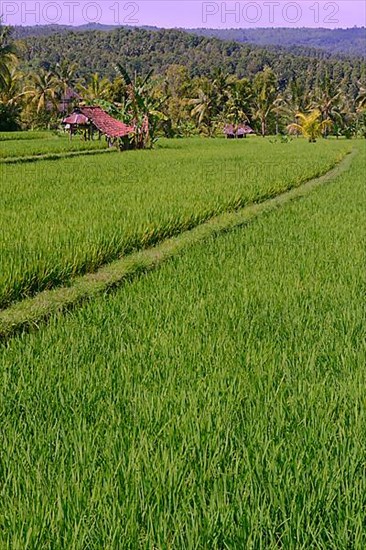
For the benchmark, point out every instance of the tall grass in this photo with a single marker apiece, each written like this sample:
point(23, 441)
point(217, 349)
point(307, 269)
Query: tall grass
point(59, 219)
point(17, 136)
point(216, 403)
point(54, 144)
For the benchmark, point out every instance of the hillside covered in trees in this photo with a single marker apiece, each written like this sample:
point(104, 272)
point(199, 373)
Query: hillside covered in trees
point(143, 50)
point(180, 83)
point(351, 41)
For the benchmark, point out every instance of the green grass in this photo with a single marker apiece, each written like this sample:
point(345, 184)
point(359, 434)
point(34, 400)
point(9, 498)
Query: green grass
point(12, 136)
point(217, 403)
point(53, 144)
point(60, 219)
point(31, 312)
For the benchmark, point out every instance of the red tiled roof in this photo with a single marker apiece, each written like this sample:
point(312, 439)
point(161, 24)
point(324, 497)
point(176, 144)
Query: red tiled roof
point(105, 123)
point(76, 118)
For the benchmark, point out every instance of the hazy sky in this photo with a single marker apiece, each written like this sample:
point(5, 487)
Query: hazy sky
point(188, 13)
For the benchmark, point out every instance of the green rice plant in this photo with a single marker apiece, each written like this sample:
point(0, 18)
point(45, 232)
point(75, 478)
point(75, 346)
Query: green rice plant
point(216, 403)
point(13, 136)
point(59, 219)
point(55, 144)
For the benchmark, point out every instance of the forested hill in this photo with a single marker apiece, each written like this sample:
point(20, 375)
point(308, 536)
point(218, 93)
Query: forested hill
point(351, 41)
point(336, 41)
point(142, 50)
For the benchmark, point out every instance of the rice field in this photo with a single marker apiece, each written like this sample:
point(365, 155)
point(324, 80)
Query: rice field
point(70, 216)
point(17, 136)
point(217, 402)
point(43, 145)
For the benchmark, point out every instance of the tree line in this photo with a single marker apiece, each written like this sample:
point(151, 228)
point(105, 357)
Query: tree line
point(320, 98)
point(351, 41)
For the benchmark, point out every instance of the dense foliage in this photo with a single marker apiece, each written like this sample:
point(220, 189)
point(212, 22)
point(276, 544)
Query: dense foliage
point(183, 83)
point(335, 41)
point(350, 41)
point(142, 50)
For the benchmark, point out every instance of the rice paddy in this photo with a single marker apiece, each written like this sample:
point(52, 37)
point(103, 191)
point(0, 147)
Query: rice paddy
point(45, 144)
point(25, 136)
point(217, 402)
point(62, 218)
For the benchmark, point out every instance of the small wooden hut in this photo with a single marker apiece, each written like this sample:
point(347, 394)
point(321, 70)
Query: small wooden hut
point(243, 131)
point(229, 131)
point(240, 131)
point(93, 120)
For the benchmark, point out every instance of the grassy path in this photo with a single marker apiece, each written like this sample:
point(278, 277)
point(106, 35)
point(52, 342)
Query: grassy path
point(29, 313)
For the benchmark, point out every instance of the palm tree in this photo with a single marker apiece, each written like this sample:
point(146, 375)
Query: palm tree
point(327, 101)
point(360, 108)
point(66, 78)
point(310, 125)
point(66, 75)
point(265, 95)
point(361, 98)
point(204, 108)
point(7, 55)
point(210, 102)
point(95, 88)
point(141, 107)
point(43, 91)
point(10, 92)
point(10, 106)
point(176, 86)
point(279, 110)
point(238, 104)
point(220, 86)
point(296, 99)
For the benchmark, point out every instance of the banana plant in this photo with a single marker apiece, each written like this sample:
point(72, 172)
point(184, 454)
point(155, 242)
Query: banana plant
point(141, 107)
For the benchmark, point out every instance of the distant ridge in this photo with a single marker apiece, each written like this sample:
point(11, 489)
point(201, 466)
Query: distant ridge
point(141, 51)
point(336, 41)
point(351, 42)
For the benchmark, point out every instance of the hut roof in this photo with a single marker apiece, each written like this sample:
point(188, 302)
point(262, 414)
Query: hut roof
point(105, 123)
point(239, 130)
point(76, 118)
point(245, 129)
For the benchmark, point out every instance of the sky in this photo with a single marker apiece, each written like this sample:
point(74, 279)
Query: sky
point(188, 13)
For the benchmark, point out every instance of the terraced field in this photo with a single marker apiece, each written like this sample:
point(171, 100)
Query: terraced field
point(215, 403)
point(66, 217)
